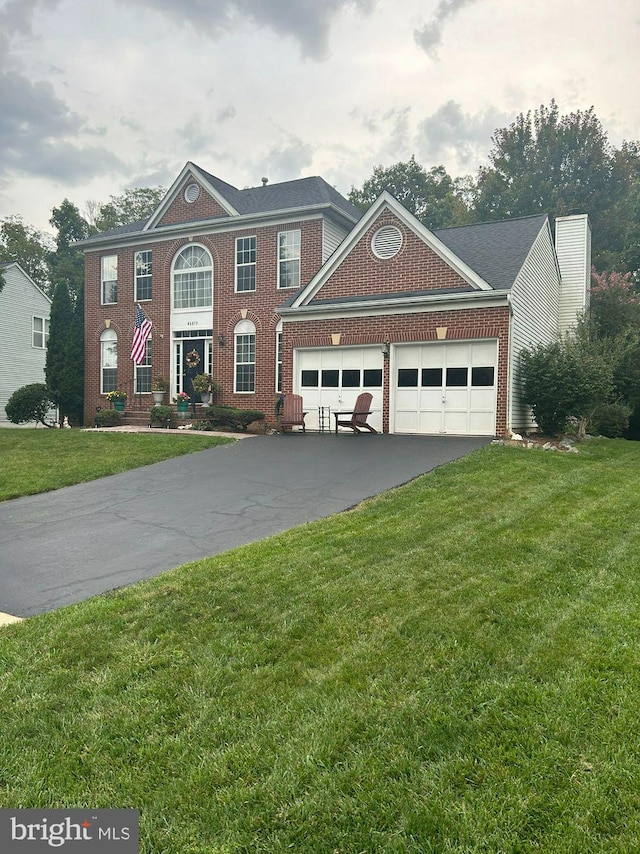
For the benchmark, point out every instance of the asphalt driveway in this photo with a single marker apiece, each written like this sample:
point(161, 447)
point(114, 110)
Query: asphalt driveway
point(65, 546)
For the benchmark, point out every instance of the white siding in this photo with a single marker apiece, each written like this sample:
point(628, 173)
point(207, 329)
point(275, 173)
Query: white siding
point(535, 299)
point(573, 248)
point(20, 362)
point(332, 237)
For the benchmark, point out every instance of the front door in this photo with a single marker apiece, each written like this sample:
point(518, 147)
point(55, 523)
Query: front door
point(192, 362)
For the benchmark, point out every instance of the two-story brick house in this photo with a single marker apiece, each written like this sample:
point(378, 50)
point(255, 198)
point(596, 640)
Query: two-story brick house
point(286, 287)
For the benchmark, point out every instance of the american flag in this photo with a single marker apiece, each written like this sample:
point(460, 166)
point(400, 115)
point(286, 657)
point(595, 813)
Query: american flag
point(140, 335)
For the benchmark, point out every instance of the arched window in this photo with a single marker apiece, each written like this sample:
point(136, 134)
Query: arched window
point(192, 278)
point(244, 340)
point(108, 361)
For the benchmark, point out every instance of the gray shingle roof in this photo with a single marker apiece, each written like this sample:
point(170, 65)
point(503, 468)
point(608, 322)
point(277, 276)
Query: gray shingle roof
point(495, 250)
point(304, 192)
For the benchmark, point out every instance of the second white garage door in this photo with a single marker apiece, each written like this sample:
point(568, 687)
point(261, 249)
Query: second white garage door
point(445, 388)
point(332, 378)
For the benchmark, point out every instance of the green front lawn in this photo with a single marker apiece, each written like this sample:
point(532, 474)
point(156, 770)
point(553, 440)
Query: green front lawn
point(451, 667)
point(33, 460)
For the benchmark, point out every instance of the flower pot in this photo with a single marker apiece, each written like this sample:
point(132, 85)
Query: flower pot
point(206, 397)
point(119, 405)
point(183, 406)
point(158, 397)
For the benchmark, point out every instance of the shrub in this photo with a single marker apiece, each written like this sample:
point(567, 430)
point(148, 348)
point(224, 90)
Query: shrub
point(29, 403)
point(567, 379)
point(107, 418)
point(229, 418)
point(163, 415)
point(610, 420)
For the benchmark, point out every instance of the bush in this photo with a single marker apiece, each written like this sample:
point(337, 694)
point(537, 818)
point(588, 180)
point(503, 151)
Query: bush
point(107, 418)
point(610, 420)
point(29, 403)
point(567, 379)
point(229, 418)
point(162, 415)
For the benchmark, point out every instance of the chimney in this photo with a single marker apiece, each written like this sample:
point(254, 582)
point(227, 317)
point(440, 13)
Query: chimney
point(573, 250)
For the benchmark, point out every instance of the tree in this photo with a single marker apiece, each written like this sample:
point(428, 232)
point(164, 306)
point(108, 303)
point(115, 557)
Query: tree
point(431, 196)
point(614, 304)
point(29, 247)
point(545, 162)
point(29, 403)
point(72, 378)
point(134, 204)
point(59, 332)
point(569, 378)
point(66, 264)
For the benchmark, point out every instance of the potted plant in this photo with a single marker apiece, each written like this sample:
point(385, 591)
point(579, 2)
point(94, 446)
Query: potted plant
point(159, 387)
point(182, 401)
point(118, 398)
point(206, 387)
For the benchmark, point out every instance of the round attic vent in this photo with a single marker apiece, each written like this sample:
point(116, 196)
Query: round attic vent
point(386, 242)
point(192, 193)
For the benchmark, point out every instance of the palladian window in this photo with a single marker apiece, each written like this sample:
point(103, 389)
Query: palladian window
point(192, 278)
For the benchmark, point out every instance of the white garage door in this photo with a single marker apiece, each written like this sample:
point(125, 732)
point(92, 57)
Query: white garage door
point(445, 388)
point(333, 378)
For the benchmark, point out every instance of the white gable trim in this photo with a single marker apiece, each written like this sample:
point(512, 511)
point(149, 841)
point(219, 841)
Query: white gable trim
point(386, 201)
point(189, 170)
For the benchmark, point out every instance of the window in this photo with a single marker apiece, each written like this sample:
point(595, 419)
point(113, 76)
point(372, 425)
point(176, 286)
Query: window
point(143, 276)
point(245, 264)
point(432, 377)
point(245, 356)
point(143, 372)
point(109, 279)
point(108, 361)
point(279, 357)
point(407, 378)
point(456, 377)
point(309, 379)
point(192, 278)
point(482, 376)
point(289, 259)
point(40, 332)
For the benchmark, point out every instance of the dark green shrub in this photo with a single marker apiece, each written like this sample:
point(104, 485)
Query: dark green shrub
point(610, 420)
point(30, 403)
point(107, 418)
point(163, 416)
point(230, 418)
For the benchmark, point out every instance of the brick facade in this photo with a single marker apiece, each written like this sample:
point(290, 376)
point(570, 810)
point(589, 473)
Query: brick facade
point(329, 316)
point(229, 307)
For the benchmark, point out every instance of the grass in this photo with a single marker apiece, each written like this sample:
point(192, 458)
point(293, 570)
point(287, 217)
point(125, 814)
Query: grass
point(41, 460)
point(451, 667)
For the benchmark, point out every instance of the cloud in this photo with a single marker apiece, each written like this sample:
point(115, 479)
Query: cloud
point(307, 21)
point(226, 113)
point(451, 134)
point(430, 36)
point(284, 163)
point(35, 127)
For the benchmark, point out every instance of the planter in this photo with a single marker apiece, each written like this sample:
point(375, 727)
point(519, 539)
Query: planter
point(206, 397)
point(119, 405)
point(183, 407)
point(158, 397)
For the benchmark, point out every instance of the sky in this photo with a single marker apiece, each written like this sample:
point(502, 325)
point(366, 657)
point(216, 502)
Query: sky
point(97, 96)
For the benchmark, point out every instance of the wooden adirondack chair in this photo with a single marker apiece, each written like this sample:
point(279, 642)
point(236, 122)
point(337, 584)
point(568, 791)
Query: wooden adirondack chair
point(359, 414)
point(291, 413)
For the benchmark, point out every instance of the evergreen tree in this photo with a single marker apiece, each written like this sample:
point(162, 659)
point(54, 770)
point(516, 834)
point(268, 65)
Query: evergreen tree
point(72, 380)
point(59, 332)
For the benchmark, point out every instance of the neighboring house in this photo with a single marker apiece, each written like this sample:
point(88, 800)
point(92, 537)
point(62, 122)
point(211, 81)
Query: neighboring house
point(287, 287)
point(24, 332)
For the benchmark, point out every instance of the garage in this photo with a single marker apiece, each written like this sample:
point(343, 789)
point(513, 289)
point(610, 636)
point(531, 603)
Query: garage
point(332, 378)
point(444, 388)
